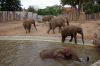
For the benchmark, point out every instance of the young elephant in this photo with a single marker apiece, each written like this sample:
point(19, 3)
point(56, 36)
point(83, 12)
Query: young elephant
point(71, 31)
point(27, 25)
point(58, 21)
point(59, 53)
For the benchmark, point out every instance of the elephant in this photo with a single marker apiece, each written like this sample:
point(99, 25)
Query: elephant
point(58, 21)
point(47, 18)
point(71, 31)
point(59, 53)
point(27, 25)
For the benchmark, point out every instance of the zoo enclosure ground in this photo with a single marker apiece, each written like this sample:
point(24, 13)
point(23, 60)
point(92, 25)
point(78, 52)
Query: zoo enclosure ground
point(16, 29)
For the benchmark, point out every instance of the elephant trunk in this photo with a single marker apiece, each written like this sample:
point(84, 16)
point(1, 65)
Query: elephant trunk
point(82, 37)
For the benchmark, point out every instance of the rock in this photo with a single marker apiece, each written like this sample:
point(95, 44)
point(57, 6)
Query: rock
point(96, 64)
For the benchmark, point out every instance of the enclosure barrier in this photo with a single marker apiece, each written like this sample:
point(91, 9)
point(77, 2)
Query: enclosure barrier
point(8, 16)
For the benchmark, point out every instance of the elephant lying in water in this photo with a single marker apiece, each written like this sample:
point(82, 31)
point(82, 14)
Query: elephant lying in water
point(27, 25)
point(72, 31)
point(59, 53)
point(58, 21)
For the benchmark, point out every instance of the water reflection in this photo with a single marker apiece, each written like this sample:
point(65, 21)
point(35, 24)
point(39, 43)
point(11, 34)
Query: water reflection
point(26, 53)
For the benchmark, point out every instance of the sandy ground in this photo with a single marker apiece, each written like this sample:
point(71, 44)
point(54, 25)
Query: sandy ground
point(16, 29)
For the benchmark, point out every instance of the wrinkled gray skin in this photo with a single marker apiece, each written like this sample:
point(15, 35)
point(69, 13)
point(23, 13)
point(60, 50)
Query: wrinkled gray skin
point(59, 53)
point(58, 21)
point(72, 31)
point(27, 25)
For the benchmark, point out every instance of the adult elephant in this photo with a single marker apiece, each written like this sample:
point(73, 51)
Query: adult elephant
point(27, 25)
point(72, 31)
point(58, 21)
point(59, 53)
point(47, 18)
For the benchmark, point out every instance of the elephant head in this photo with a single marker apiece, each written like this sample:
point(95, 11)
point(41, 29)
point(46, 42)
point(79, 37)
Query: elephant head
point(80, 31)
point(33, 22)
point(75, 57)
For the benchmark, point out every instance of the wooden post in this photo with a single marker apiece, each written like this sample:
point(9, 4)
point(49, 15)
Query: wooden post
point(82, 17)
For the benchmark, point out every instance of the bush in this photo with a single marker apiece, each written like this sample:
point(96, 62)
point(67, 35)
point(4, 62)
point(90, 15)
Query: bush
point(90, 8)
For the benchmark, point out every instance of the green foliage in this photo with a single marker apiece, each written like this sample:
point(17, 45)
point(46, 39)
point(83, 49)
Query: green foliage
point(10, 5)
point(96, 8)
point(70, 2)
point(53, 10)
point(98, 1)
point(74, 3)
point(31, 9)
point(90, 8)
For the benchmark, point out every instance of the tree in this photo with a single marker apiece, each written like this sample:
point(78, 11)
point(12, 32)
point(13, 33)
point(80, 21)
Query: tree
point(75, 3)
point(90, 8)
point(31, 9)
point(10, 5)
point(52, 10)
point(98, 1)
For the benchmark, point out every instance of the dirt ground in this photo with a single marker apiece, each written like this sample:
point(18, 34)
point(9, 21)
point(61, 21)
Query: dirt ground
point(16, 29)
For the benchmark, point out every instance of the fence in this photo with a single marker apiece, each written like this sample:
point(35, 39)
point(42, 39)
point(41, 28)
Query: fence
point(16, 16)
point(21, 15)
point(76, 16)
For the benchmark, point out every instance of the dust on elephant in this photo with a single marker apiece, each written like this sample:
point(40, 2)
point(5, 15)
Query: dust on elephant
point(59, 53)
point(72, 31)
point(58, 21)
point(27, 25)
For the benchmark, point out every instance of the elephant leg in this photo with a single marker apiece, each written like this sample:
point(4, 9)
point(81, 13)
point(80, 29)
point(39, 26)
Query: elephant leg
point(35, 26)
point(48, 30)
point(75, 38)
point(59, 29)
point(25, 27)
point(29, 28)
point(63, 39)
point(71, 38)
point(53, 29)
point(26, 30)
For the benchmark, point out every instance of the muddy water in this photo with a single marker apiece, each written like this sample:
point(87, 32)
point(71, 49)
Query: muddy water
point(26, 53)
